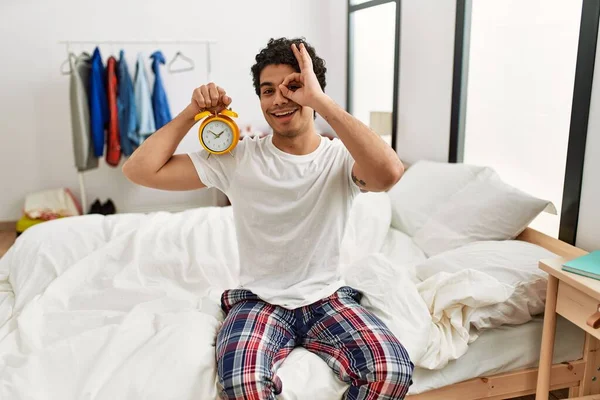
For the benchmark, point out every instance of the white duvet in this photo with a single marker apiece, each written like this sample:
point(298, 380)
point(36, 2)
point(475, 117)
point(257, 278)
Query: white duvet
point(127, 306)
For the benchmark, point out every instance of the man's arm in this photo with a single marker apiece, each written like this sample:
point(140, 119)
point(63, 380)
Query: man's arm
point(154, 164)
point(376, 165)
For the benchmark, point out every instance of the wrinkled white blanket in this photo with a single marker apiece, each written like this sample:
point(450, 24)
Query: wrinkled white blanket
point(127, 306)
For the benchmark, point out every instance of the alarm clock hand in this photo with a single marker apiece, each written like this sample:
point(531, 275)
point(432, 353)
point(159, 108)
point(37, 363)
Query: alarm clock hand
point(215, 135)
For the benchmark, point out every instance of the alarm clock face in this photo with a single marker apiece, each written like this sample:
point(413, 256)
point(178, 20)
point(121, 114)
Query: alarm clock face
point(217, 136)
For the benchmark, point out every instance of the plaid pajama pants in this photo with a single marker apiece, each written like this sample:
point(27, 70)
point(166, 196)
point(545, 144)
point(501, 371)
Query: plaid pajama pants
point(256, 337)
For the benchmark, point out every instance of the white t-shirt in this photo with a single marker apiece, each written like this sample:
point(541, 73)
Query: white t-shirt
point(290, 213)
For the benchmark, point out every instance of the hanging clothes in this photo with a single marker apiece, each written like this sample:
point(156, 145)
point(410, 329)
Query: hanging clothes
point(160, 103)
point(126, 106)
point(98, 103)
point(143, 102)
point(79, 91)
point(113, 140)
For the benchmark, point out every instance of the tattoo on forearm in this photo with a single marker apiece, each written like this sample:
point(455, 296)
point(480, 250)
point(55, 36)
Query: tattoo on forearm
point(358, 181)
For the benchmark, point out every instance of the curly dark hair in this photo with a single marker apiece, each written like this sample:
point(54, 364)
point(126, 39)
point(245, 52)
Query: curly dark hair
point(279, 51)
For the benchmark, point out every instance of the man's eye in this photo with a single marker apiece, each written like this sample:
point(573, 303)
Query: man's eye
point(268, 91)
point(293, 88)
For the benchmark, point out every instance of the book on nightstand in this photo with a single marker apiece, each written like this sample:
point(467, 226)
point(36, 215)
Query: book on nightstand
point(588, 265)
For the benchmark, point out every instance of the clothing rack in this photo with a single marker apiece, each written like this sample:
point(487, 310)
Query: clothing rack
point(69, 43)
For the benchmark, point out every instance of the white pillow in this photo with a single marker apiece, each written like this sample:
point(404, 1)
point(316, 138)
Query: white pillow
point(512, 262)
point(426, 186)
point(485, 209)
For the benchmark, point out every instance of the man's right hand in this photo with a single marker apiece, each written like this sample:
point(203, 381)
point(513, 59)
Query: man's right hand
point(154, 164)
point(210, 98)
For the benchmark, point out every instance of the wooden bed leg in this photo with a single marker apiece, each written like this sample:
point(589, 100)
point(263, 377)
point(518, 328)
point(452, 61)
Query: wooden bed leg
point(590, 383)
point(548, 333)
point(573, 392)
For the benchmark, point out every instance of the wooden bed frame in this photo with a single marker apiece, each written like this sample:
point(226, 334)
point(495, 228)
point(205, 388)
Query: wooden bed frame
point(571, 375)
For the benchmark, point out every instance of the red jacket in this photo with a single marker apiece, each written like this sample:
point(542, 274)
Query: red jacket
point(113, 139)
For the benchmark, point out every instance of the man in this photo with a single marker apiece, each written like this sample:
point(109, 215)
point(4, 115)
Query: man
point(291, 193)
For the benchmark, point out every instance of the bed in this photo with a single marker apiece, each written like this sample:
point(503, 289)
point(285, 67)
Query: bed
point(127, 305)
point(515, 350)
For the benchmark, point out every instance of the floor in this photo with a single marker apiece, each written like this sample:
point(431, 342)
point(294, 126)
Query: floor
point(8, 238)
point(556, 395)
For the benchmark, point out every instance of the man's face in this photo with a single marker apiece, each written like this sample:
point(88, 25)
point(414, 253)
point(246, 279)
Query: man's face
point(283, 115)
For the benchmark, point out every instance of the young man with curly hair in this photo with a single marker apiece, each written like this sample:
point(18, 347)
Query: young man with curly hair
point(291, 194)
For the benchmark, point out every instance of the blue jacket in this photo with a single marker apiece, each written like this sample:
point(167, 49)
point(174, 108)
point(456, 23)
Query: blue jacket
point(126, 106)
point(160, 104)
point(98, 103)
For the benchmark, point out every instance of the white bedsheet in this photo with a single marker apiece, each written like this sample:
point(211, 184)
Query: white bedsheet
point(127, 305)
point(504, 349)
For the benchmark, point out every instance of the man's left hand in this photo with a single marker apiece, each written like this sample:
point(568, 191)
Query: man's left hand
point(302, 87)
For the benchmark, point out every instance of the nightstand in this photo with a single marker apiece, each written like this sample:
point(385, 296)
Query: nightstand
point(577, 299)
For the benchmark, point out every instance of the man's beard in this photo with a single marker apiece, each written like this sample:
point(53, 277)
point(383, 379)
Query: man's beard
point(287, 134)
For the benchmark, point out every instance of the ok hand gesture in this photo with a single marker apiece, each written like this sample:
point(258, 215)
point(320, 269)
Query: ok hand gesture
point(302, 87)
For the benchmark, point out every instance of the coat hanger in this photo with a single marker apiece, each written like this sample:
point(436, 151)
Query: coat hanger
point(66, 63)
point(64, 71)
point(71, 60)
point(179, 54)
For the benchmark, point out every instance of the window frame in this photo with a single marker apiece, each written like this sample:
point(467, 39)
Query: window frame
point(349, 69)
point(580, 109)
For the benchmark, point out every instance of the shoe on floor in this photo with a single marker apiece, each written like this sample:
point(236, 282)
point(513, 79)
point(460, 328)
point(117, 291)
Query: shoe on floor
point(108, 208)
point(96, 207)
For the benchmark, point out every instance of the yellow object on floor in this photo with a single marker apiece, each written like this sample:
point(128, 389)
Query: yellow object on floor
point(25, 222)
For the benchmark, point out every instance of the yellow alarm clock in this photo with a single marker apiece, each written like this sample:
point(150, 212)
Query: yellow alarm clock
point(218, 133)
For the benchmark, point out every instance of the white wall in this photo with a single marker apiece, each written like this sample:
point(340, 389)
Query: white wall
point(588, 228)
point(35, 133)
point(426, 61)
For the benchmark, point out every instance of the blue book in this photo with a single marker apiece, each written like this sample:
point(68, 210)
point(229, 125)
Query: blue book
point(588, 265)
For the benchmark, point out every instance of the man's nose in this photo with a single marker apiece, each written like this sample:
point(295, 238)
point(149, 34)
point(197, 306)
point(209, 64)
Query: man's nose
point(279, 98)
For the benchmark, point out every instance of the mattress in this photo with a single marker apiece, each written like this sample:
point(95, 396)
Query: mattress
point(504, 349)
